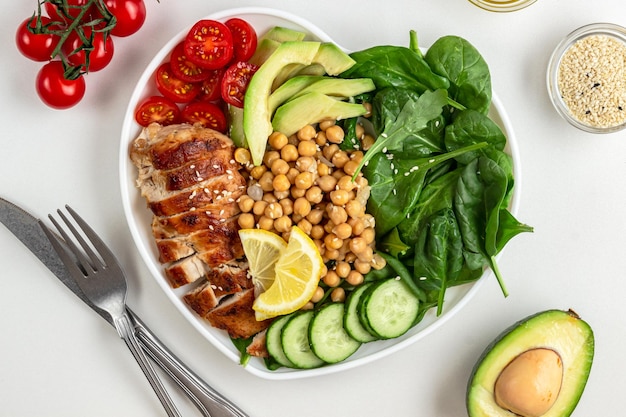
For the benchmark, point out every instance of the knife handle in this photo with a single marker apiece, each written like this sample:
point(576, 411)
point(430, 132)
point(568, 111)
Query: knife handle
point(206, 399)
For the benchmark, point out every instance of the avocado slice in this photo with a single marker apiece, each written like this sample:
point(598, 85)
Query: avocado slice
point(554, 348)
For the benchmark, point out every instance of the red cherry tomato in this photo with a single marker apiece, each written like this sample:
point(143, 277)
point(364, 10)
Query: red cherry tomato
point(209, 44)
point(55, 90)
point(235, 82)
point(210, 89)
point(99, 57)
point(157, 109)
point(38, 47)
point(208, 114)
point(184, 69)
point(130, 15)
point(173, 88)
point(244, 38)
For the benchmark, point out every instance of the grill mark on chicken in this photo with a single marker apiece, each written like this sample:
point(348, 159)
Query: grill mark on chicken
point(191, 183)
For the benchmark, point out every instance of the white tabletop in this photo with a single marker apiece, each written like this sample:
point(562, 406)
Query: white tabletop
point(58, 358)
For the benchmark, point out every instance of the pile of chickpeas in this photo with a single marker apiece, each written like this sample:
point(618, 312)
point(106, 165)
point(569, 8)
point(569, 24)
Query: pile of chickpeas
point(306, 180)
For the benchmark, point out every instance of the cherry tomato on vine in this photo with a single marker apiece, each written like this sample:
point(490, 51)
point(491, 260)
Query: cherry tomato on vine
point(99, 57)
point(157, 109)
point(235, 82)
point(184, 69)
point(209, 44)
point(38, 47)
point(173, 88)
point(55, 90)
point(244, 38)
point(130, 15)
point(208, 114)
point(73, 10)
point(210, 89)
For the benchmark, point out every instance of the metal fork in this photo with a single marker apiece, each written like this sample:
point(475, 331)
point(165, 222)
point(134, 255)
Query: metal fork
point(99, 275)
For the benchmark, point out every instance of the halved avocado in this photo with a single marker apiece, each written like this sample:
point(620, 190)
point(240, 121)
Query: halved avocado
point(537, 367)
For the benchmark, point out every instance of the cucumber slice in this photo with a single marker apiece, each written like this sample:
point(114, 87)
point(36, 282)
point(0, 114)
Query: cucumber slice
point(295, 341)
point(351, 321)
point(273, 341)
point(389, 308)
point(329, 340)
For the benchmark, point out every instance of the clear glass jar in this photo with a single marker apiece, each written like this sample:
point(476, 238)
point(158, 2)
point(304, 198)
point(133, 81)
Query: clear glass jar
point(583, 85)
point(502, 5)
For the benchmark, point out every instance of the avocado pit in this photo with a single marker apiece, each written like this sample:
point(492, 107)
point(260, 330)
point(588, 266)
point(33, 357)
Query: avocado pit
point(530, 384)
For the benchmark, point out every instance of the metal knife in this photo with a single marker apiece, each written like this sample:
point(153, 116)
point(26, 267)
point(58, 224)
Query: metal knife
point(27, 229)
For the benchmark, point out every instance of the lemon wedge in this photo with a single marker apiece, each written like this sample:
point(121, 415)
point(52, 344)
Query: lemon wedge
point(263, 249)
point(297, 274)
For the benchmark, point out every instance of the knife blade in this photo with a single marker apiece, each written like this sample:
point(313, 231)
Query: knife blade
point(27, 229)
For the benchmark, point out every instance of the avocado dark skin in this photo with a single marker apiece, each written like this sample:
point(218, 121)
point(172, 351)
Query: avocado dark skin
point(552, 349)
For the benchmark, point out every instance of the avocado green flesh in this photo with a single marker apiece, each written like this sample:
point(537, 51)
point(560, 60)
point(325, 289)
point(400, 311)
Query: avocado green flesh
point(561, 331)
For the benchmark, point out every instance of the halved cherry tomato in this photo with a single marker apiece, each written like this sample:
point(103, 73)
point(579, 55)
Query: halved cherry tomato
point(209, 44)
point(244, 38)
point(99, 57)
point(173, 88)
point(208, 114)
point(56, 91)
point(157, 109)
point(235, 82)
point(35, 46)
point(210, 89)
point(184, 69)
point(130, 15)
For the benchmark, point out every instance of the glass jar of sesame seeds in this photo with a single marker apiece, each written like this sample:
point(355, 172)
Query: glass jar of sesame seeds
point(502, 5)
point(586, 78)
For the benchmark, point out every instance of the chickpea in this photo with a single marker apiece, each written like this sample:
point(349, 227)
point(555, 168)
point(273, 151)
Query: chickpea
point(306, 163)
point(266, 181)
point(315, 216)
point(273, 211)
point(358, 245)
point(368, 109)
point(343, 230)
point(259, 207)
point(242, 155)
point(357, 225)
point(281, 195)
point(266, 223)
point(277, 140)
point(323, 169)
point(338, 197)
point(340, 158)
point(357, 156)
point(270, 157)
point(378, 262)
point(332, 254)
point(338, 295)
point(320, 246)
point(292, 174)
point(332, 241)
point(317, 231)
point(307, 148)
point(314, 195)
point(297, 192)
point(279, 166)
point(289, 153)
point(306, 133)
point(367, 142)
point(362, 267)
point(287, 206)
point(334, 134)
point(355, 209)
point(302, 206)
point(281, 183)
point(317, 295)
point(282, 224)
point(346, 183)
point(327, 183)
point(343, 269)
point(308, 306)
point(304, 180)
point(245, 203)
point(354, 278)
point(366, 255)
point(256, 172)
point(320, 138)
point(359, 131)
point(325, 124)
point(305, 226)
point(350, 167)
point(329, 150)
point(368, 234)
point(336, 214)
point(246, 220)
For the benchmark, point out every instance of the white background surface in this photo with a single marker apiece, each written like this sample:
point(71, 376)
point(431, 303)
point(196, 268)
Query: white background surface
point(58, 358)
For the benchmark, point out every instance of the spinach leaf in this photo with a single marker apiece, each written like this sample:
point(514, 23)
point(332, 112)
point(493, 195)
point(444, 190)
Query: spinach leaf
point(413, 117)
point(395, 66)
point(460, 62)
point(470, 126)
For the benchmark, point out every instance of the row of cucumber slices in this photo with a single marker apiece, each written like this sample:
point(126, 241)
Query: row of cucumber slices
point(382, 309)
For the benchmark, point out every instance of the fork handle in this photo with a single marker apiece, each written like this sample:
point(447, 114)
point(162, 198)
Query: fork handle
point(126, 331)
point(210, 402)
